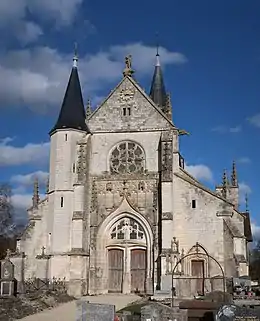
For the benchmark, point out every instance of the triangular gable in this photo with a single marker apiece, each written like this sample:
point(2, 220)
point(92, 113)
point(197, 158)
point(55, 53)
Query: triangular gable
point(113, 114)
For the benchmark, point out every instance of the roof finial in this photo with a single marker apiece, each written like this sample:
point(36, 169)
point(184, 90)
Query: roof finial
point(88, 108)
point(234, 175)
point(128, 71)
point(75, 58)
point(157, 50)
point(224, 184)
point(36, 197)
point(246, 203)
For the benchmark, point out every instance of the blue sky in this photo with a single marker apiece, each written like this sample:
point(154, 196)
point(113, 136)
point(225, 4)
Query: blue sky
point(210, 51)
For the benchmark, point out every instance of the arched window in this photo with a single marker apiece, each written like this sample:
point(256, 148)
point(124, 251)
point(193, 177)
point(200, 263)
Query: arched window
point(127, 229)
point(127, 157)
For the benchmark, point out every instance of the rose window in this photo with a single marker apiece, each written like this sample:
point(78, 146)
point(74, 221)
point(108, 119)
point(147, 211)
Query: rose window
point(127, 157)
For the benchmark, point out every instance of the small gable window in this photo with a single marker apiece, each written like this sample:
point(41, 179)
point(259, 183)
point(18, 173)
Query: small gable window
point(66, 137)
point(126, 111)
point(193, 203)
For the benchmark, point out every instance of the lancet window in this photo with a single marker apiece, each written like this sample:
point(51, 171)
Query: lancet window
point(127, 229)
point(127, 157)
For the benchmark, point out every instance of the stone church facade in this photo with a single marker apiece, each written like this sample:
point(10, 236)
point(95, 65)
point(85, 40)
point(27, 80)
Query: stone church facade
point(121, 210)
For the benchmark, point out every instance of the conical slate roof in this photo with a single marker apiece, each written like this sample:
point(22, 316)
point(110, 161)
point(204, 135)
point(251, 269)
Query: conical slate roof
point(72, 114)
point(158, 92)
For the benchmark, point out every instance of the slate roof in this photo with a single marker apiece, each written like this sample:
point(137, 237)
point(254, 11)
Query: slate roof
point(247, 227)
point(158, 92)
point(72, 114)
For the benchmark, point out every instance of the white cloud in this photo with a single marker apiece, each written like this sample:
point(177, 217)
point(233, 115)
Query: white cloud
point(235, 129)
point(255, 230)
point(225, 129)
point(28, 32)
point(28, 154)
point(22, 201)
point(61, 12)
point(200, 172)
point(28, 179)
point(39, 77)
point(255, 120)
point(244, 160)
point(244, 189)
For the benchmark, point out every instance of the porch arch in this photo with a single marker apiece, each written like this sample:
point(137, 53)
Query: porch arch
point(104, 243)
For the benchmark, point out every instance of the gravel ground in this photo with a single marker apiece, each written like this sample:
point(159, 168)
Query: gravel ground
point(22, 306)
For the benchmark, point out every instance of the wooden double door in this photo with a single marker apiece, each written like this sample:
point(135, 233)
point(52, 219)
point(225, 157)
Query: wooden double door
point(118, 263)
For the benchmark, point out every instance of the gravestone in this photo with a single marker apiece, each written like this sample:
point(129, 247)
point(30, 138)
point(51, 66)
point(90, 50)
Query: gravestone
point(7, 282)
point(94, 312)
point(232, 312)
point(7, 269)
point(155, 311)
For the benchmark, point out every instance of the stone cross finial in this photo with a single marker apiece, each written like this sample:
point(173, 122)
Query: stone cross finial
point(128, 71)
point(43, 251)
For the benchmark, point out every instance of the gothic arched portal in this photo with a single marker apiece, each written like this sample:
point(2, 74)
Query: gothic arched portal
point(126, 243)
point(127, 255)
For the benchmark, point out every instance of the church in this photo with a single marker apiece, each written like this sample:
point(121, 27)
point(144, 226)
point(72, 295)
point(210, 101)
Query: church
point(121, 213)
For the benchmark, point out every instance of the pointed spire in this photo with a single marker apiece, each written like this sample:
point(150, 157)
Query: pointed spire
point(224, 184)
point(88, 108)
point(36, 197)
point(246, 203)
point(234, 181)
point(72, 113)
point(157, 91)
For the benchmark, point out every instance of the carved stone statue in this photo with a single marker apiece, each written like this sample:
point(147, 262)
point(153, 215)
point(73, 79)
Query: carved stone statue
point(127, 229)
point(128, 62)
point(128, 71)
point(174, 245)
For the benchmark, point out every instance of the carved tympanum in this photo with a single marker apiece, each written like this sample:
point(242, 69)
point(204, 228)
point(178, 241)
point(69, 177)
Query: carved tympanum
point(127, 229)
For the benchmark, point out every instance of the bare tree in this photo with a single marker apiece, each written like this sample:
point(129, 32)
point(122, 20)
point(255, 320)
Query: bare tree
point(7, 226)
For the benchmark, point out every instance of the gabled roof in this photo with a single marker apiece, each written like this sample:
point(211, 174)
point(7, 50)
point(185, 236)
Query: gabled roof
point(140, 90)
point(72, 113)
